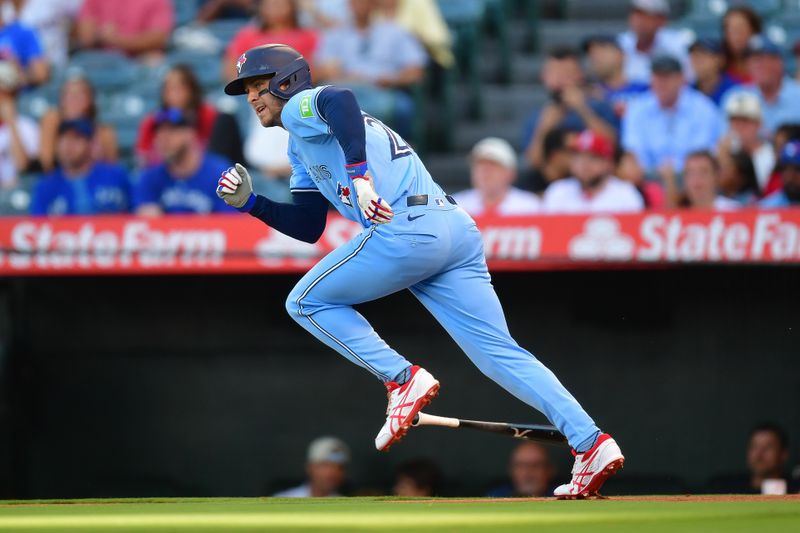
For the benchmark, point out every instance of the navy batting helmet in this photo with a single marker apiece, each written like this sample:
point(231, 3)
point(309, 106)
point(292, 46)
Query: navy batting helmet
point(283, 63)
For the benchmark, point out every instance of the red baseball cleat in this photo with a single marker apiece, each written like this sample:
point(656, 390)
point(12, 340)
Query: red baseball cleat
point(405, 401)
point(591, 469)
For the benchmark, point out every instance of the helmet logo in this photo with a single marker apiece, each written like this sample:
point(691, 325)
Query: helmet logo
point(240, 63)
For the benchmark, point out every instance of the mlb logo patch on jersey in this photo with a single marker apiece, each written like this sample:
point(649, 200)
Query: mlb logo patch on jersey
point(344, 194)
point(439, 202)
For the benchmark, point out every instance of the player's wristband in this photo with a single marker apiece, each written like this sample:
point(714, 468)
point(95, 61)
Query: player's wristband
point(248, 205)
point(356, 170)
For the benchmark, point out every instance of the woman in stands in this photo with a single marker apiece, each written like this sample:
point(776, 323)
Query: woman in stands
point(218, 132)
point(277, 21)
point(76, 101)
point(739, 24)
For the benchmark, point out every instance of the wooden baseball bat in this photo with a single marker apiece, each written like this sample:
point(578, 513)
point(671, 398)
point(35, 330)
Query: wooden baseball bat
point(535, 432)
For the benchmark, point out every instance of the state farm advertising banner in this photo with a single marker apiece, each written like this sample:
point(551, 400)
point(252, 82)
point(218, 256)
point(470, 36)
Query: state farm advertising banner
point(240, 244)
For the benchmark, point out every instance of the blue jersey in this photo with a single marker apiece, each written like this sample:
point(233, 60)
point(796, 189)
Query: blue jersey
point(193, 194)
point(318, 161)
point(104, 190)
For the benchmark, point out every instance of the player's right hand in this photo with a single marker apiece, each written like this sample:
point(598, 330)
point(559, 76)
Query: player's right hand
point(235, 187)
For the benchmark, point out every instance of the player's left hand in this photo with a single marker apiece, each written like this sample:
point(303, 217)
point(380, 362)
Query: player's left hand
point(235, 187)
point(374, 208)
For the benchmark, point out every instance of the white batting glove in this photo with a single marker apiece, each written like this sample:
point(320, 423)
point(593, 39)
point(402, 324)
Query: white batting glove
point(374, 208)
point(235, 187)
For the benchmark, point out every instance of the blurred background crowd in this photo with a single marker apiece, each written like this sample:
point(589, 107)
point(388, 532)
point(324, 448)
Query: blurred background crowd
point(532, 473)
point(109, 107)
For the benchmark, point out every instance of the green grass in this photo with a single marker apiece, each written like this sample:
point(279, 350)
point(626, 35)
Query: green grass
point(387, 514)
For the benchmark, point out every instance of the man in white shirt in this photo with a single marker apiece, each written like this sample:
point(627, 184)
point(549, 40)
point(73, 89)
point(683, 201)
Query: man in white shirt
point(493, 171)
point(593, 187)
point(648, 38)
point(326, 468)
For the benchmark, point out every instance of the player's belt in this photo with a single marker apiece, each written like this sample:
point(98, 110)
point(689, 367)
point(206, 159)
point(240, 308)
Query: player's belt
point(422, 199)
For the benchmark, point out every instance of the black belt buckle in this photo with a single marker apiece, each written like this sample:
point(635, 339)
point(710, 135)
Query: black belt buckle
point(422, 199)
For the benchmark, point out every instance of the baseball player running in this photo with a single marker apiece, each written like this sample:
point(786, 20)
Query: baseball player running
point(415, 237)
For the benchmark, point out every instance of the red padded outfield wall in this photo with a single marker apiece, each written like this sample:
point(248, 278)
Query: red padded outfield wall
point(239, 244)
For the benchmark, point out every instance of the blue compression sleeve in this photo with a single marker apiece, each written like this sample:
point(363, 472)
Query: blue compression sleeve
point(340, 110)
point(303, 220)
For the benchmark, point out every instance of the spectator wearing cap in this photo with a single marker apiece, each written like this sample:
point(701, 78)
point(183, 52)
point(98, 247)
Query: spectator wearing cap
point(378, 59)
point(743, 110)
point(141, 28)
point(218, 132)
point(326, 470)
point(493, 171)
point(19, 135)
point(76, 100)
point(648, 38)
point(701, 178)
point(593, 188)
point(739, 24)
point(789, 165)
point(707, 62)
point(669, 122)
point(80, 185)
point(606, 71)
point(778, 93)
point(186, 180)
point(571, 106)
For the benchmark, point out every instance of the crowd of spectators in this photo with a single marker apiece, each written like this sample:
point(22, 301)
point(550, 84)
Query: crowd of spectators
point(531, 471)
point(75, 158)
point(643, 119)
point(648, 119)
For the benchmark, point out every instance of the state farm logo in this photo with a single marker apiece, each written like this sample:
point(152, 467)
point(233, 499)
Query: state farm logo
point(136, 243)
point(515, 243)
point(767, 237)
point(601, 240)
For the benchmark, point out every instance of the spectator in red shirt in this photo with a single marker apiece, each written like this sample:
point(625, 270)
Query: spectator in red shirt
point(181, 90)
point(277, 22)
point(739, 24)
point(138, 28)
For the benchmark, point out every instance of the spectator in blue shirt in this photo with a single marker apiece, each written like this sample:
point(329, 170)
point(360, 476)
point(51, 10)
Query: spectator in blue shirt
point(789, 163)
point(708, 63)
point(571, 105)
point(378, 60)
point(187, 179)
point(606, 62)
point(779, 94)
point(80, 185)
point(22, 44)
point(662, 127)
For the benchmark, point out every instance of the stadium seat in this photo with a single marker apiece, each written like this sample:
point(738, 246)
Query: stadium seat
point(224, 30)
point(185, 11)
point(17, 201)
point(34, 104)
point(206, 67)
point(717, 8)
point(106, 70)
point(464, 18)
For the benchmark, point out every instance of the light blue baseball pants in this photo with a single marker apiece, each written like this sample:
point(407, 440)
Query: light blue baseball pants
point(436, 252)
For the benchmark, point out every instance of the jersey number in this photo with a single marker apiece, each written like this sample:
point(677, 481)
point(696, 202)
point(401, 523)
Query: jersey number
point(397, 146)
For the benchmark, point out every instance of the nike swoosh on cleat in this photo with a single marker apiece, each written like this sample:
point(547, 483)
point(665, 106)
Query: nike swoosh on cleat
point(410, 218)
